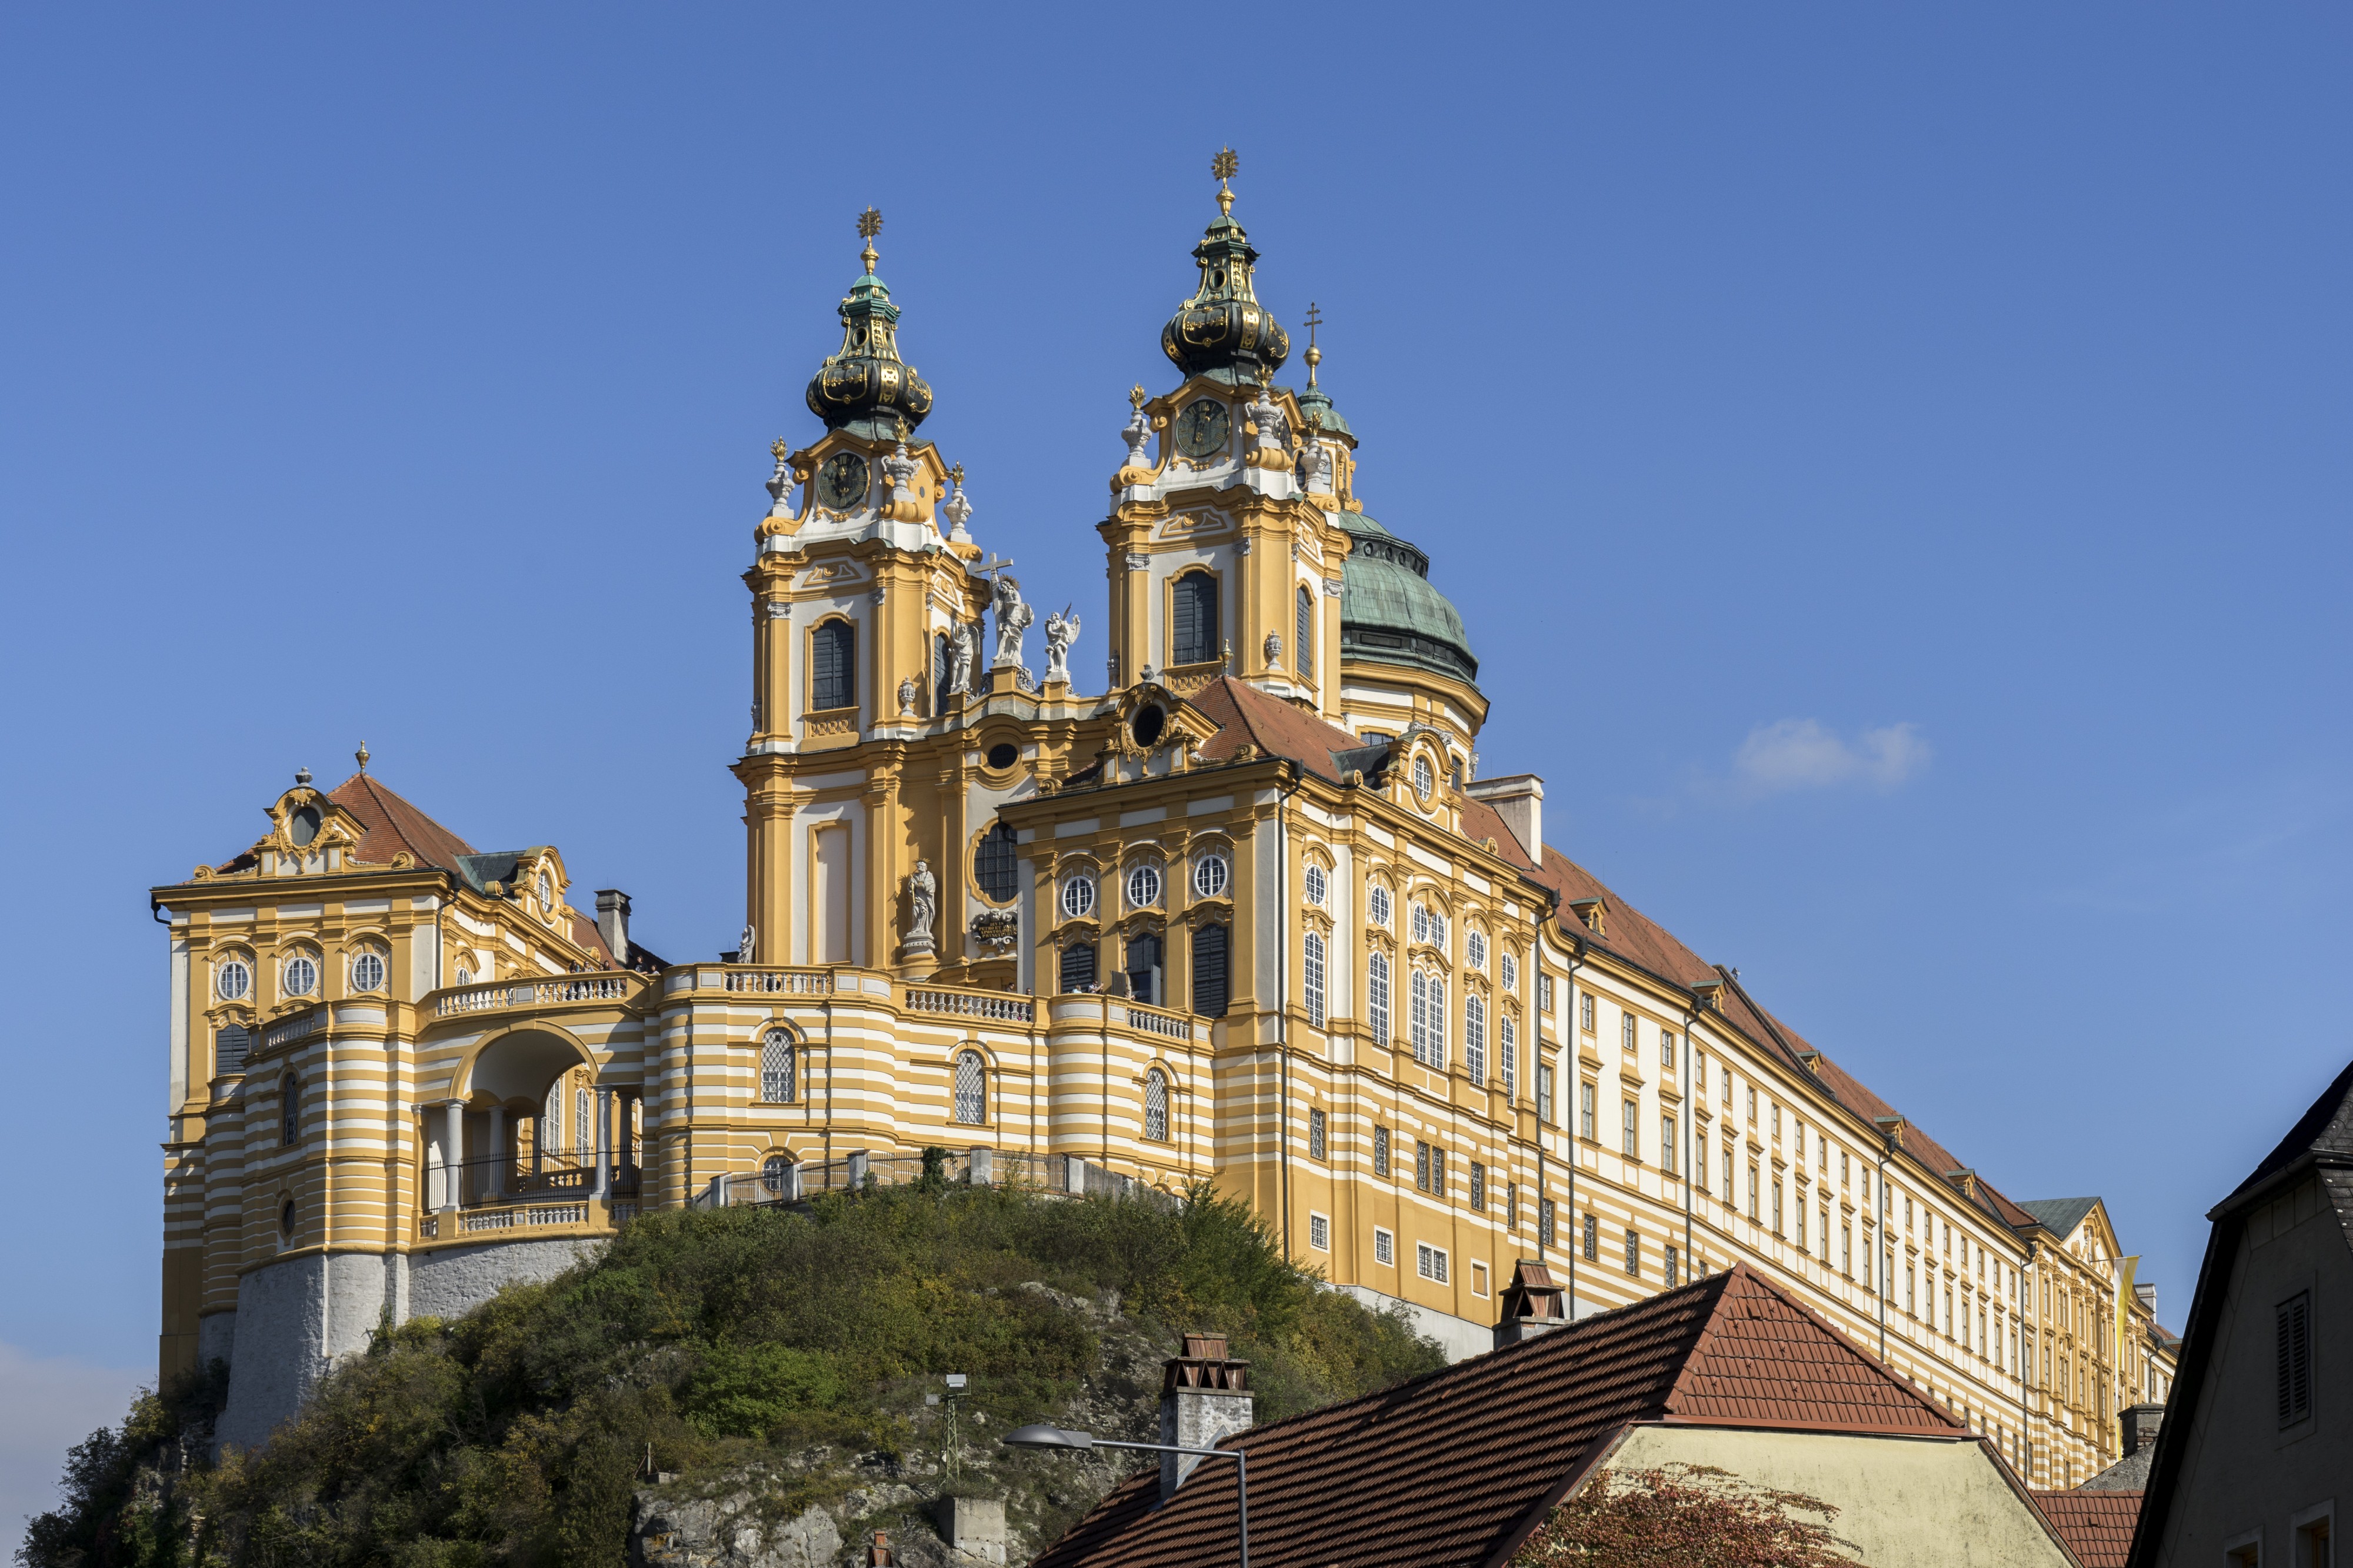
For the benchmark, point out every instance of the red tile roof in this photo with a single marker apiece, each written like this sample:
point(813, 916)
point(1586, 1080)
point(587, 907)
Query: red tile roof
point(1244, 714)
point(2096, 1526)
point(1457, 1466)
point(392, 823)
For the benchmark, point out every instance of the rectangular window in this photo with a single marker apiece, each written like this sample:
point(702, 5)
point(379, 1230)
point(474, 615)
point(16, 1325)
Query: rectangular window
point(1632, 1116)
point(1420, 1166)
point(1438, 1171)
point(1384, 1248)
point(833, 666)
point(1669, 1264)
point(1699, 1076)
point(1474, 1036)
point(1478, 1280)
point(1377, 998)
point(1507, 1051)
point(1842, 1168)
point(1626, 1030)
point(1910, 1300)
point(1311, 978)
point(1430, 1262)
point(2291, 1356)
point(1437, 1023)
point(1381, 1151)
point(1667, 1144)
point(1752, 1191)
point(1316, 1127)
point(1752, 1105)
point(1846, 1251)
point(1543, 1095)
point(1776, 1121)
point(1801, 1222)
point(1776, 1206)
point(1417, 1014)
point(1319, 1232)
point(1592, 1239)
point(1477, 1186)
point(1634, 1254)
point(1511, 1206)
point(1585, 1111)
point(1543, 995)
point(1667, 1049)
point(1584, 1011)
point(1543, 1222)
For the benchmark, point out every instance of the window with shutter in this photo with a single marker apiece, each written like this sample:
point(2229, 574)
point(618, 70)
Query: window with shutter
point(2292, 1352)
point(1143, 968)
point(1306, 631)
point(833, 666)
point(1209, 943)
point(1194, 634)
point(1079, 966)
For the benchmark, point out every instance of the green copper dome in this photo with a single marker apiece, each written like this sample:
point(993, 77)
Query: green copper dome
point(1389, 611)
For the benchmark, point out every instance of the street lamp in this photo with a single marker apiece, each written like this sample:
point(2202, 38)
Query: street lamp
point(1043, 1436)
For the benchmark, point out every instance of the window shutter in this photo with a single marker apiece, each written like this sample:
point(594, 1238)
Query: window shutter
point(1078, 965)
point(833, 659)
point(1210, 971)
point(2292, 1337)
point(1305, 659)
point(1196, 632)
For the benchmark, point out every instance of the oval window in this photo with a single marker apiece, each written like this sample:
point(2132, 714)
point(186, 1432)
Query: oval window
point(367, 973)
point(1144, 886)
point(1376, 904)
point(1210, 875)
point(235, 980)
point(1147, 724)
point(286, 1220)
point(1079, 897)
point(1315, 880)
point(304, 825)
point(1423, 779)
point(1004, 755)
point(302, 976)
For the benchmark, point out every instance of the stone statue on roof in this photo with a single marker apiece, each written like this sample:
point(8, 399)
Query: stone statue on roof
point(1062, 631)
point(1013, 618)
point(746, 945)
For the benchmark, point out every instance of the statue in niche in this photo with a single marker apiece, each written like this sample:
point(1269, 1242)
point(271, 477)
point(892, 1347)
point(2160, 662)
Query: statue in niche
point(960, 658)
point(1013, 619)
point(1062, 631)
point(922, 907)
point(1319, 471)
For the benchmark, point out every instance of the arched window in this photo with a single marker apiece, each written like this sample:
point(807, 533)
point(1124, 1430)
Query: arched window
point(993, 864)
point(1143, 958)
point(1079, 967)
point(779, 1069)
point(1305, 657)
point(1310, 979)
point(833, 666)
point(290, 1111)
point(1377, 998)
point(1209, 988)
point(1155, 1106)
point(970, 1090)
point(1437, 1023)
point(1474, 1036)
point(943, 672)
point(1507, 1053)
point(1194, 639)
point(775, 1174)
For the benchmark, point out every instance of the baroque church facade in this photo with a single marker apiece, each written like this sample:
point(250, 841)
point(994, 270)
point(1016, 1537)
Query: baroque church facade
point(1246, 914)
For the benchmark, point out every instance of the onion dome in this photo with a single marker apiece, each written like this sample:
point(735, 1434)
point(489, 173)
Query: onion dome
point(1389, 611)
point(1315, 408)
point(1222, 330)
point(866, 388)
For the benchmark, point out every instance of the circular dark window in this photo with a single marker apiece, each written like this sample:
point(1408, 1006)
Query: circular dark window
point(286, 1219)
point(1004, 755)
point(304, 825)
point(1147, 724)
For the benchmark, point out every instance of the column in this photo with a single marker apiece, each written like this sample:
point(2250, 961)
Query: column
point(603, 1187)
point(495, 1159)
point(453, 1156)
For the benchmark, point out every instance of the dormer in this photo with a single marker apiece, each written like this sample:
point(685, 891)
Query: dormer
point(1592, 914)
point(310, 834)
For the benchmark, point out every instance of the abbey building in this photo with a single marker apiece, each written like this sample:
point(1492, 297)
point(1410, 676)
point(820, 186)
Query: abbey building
point(1227, 901)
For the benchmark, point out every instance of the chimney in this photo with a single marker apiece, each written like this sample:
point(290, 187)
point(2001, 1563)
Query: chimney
point(1532, 1305)
point(1518, 799)
point(2146, 1294)
point(613, 923)
point(1203, 1396)
point(879, 1554)
point(2140, 1422)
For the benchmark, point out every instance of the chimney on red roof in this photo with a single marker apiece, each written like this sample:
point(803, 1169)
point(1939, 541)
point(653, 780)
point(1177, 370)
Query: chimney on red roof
point(1518, 799)
point(2140, 1422)
point(613, 923)
point(1204, 1397)
point(1532, 1305)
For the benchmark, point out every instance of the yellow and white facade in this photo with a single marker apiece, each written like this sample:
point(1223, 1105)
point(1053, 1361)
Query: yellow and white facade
point(1242, 913)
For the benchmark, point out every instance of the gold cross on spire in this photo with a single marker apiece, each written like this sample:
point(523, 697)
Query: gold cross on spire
point(1223, 167)
point(869, 224)
point(1314, 354)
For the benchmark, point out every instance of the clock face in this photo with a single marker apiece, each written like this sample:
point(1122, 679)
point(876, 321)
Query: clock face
point(1201, 428)
point(841, 483)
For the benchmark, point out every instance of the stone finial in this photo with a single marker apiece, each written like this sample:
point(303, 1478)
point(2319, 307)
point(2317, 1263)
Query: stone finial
point(958, 510)
point(361, 756)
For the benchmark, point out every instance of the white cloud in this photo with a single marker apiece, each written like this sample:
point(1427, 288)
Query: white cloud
point(52, 1404)
point(1799, 753)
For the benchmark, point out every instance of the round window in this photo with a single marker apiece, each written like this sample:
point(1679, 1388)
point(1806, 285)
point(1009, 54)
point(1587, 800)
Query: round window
point(1376, 904)
point(233, 980)
point(1210, 875)
point(1144, 886)
point(1004, 755)
point(1147, 724)
point(1079, 897)
point(304, 825)
point(1423, 779)
point(1315, 880)
point(367, 973)
point(302, 976)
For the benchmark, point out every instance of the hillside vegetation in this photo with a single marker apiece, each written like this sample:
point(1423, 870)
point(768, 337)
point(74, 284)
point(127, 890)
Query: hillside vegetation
point(795, 1350)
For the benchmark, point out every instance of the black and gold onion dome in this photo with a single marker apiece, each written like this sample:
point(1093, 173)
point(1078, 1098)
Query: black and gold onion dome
point(866, 388)
point(1223, 330)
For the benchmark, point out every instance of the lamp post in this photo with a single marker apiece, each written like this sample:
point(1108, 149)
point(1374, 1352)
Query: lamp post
point(1044, 1436)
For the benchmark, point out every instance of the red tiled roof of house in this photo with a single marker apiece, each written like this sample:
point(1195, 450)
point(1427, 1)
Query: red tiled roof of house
point(1245, 715)
point(391, 824)
point(1457, 1466)
point(2096, 1526)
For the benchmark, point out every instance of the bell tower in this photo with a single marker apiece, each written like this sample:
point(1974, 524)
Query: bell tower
point(856, 594)
point(1217, 560)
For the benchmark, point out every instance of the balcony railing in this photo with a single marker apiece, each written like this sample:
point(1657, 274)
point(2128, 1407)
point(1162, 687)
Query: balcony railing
point(301, 1026)
point(787, 982)
point(995, 1005)
point(1154, 1021)
point(544, 993)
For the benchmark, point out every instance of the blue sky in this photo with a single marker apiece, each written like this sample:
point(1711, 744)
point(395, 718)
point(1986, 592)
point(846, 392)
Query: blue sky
point(1892, 462)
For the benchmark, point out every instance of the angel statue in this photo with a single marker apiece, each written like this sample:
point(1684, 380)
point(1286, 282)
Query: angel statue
point(1013, 619)
point(1062, 631)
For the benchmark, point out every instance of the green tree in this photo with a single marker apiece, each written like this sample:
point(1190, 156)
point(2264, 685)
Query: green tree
point(1687, 1516)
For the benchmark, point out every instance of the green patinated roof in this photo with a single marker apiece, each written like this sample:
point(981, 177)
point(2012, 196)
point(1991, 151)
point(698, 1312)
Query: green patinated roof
point(1389, 611)
point(1316, 408)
